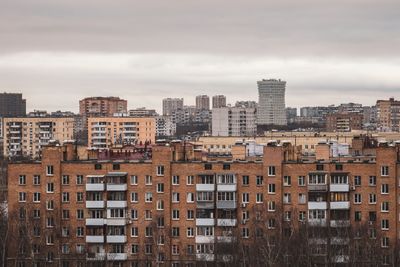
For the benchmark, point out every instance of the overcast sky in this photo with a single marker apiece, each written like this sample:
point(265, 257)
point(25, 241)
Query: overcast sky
point(56, 52)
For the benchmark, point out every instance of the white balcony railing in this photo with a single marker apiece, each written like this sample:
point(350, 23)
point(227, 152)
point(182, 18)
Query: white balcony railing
point(205, 221)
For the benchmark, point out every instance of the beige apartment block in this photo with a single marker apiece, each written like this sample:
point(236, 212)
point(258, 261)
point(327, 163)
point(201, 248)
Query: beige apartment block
point(104, 132)
point(26, 136)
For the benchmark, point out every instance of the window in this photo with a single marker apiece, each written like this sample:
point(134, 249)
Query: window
point(287, 198)
point(319, 167)
point(301, 180)
point(134, 197)
point(189, 197)
point(175, 231)
point(97, 166)
point(134, 231)
point(148, 231)
point(116, 167)
point(190, 232)
point(357, 216)
point(259, 180)
point(65, 180)
point(208, 166)
point(50, 222)
point(372, 216)
point(148, 215)
point(22, 180)
point(175, 180)
point(65, 197)
point(79, 179)
point(65, 214)
point(134, 214)
point(50, 205)
point(36, 231)
point(50, 188)
point(271, 206)
point(302, 198)
point(134, 248)
point(148, 180)
point(302, 216)
point(49, 170)
point(245, 232)
point(245, 197)
point(271, 223)
point(372, 199)
point(49, 240)
point(36, 214)
point(36, 197)
point(385, 224)
point(271, 171)
point(161, 240)
point(190, 180)
point(287, 181)
point(160, 204)
point(226, 166)
point(245, 180)
point(160, 222)
point(79, 196)
point(287, 216)
point(175, 197)
point(160, 170)
point(384, 170)
point(148, 197)
point(271, 188)
point(65, 232)
point(385, 206)
point(316, 214)
point(134, 180)
point(385, 242)
point(148, 249)
point(22, 197)
point(357, 180)
point(259, 198)
point(79, 214)
point(190, 215)
point(36, 180)
point(372, 180)
point(384, 189)
point(357, 198)
point(339, 167)
point(175, 214)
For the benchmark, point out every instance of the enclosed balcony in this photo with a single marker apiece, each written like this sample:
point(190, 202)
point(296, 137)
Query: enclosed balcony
point(95, 221)
point(205, 183)
point(94, 239)
point(95, 204)
point(226, 182)
point(116, 239)
point(340, 205)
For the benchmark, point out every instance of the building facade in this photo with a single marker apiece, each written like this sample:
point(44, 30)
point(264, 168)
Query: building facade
point(142, 112)
point(171, 104)
point(12, 105)
point(219, 101)
point(234, 121)
point(344, 122)
point(26, 136)
point(165, 126)
point(105, 132)
point(202, 102)
point(271, 102)
point(102, 106)
point(178, 208)
point(388, 115)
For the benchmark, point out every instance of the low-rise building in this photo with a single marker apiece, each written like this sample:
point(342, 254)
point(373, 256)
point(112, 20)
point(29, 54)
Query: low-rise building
point(344, 122)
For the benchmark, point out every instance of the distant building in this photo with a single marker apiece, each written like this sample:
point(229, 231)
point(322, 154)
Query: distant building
point(350, 108)
point(344, 122)
point(171, 104)
point(388, 115)
point(246, 104)
point(318, 113)
point(271, 102)
point(369, 113)
point(234, 121)
point(12, 105)
point(165, 126)
point(102, 106)
point(105, 132)
point(202, 102)
point(142, 112)
point(219, 101)
point(26, 136)
point(291, 114)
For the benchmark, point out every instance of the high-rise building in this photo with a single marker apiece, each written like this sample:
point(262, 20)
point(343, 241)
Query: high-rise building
point(271, 102)
point(102, 106)
point(219, 101)
point(106, 132)
point(388, 115)
point(246, 104)
point(165, 126)
point(291, 114)
point(234, 121)
point(171, 104)
point(12, 105)
point(27, 136)
point(202, 102)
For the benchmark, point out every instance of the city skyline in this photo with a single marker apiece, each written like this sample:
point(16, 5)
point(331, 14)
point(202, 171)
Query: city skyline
point(343, 53)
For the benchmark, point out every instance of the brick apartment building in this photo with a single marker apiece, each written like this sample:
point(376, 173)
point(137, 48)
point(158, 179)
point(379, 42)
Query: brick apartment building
point(344, 122)
point(171, 205)
point(388, 114)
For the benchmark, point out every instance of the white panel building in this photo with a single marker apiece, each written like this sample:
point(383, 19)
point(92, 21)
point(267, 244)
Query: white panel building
point(271, 102)
point(234, 121)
